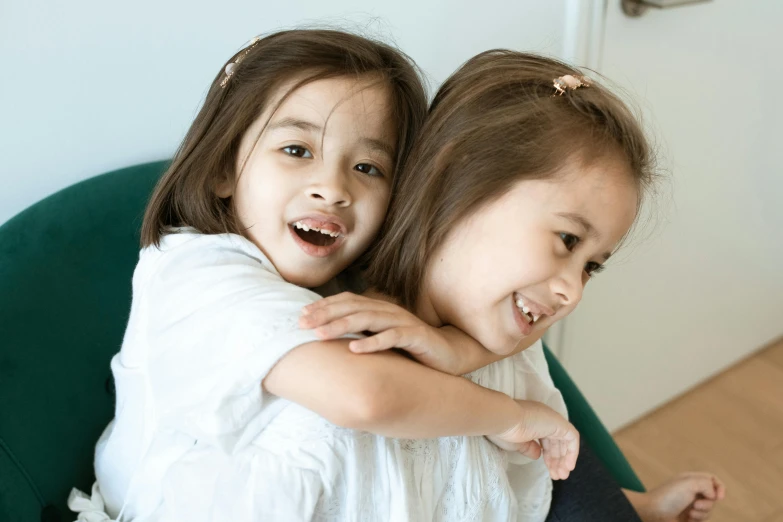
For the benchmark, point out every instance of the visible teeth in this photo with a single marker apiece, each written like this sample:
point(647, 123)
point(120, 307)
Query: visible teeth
point(327, 233)
point(306, 228)
point(526, 310)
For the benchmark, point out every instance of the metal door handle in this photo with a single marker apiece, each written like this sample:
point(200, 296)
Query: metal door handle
point(634, 8)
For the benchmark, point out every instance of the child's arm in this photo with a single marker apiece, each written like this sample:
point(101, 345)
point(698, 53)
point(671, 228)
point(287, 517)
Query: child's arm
point(447, 348)
point(390, 395)
point(387, 394)
point(469, 354)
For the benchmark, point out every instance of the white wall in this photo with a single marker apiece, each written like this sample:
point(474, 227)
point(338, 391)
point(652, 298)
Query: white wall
point(89, 86)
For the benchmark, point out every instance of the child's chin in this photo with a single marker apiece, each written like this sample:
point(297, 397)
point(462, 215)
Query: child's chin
point(310, 278)
point(506, 349)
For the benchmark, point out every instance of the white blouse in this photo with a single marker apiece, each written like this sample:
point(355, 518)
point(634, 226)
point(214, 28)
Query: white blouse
point(196, 438)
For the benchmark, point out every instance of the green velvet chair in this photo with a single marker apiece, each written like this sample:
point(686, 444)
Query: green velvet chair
point(65, 291)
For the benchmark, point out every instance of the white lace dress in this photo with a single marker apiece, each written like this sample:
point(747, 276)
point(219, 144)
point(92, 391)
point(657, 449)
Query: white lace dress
point(195, 438)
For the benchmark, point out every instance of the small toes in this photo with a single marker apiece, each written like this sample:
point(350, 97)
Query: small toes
point(720, 487)
point(698, 515)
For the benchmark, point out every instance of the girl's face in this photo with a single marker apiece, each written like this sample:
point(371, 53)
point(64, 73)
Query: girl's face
point(528, 255)
point(314, 188)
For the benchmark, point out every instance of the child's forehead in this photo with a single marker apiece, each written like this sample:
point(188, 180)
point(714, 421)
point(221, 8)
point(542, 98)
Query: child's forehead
point(602, 193)
point(341, 104)
point(605, 194)
point(329, 95)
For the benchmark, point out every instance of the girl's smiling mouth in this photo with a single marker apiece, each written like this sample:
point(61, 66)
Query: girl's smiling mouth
point(527, 312)
point(318, 236)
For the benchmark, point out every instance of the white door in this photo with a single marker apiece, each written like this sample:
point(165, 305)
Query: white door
point(706, 288)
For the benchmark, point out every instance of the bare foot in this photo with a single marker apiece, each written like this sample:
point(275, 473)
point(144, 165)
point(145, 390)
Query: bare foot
point(685, 498)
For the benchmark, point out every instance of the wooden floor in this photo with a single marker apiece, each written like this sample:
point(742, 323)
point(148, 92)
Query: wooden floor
point(731, 426)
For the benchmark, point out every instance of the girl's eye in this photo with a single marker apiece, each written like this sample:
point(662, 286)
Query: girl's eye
point(368, 169)
point(593, 268)
point(569, 240)
point(297, 151)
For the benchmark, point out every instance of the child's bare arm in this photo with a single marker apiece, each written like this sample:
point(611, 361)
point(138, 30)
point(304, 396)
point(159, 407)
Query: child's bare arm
point(387, 394)
point(446, 349)
point(390, 395)
point(471, 355)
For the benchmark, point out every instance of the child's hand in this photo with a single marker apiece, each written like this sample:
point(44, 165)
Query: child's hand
point(559, 439)
point(394, 327)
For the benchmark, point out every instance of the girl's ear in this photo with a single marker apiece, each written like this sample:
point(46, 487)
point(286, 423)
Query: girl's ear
point(224, 188)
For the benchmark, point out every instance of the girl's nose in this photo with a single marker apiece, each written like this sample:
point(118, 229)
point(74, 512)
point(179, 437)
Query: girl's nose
point(568, 287)
point(331, 190)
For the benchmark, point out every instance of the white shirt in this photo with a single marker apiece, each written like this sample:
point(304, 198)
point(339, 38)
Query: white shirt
point(196, 438)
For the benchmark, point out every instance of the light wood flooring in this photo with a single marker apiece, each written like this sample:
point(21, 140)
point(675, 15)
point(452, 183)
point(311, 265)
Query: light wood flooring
point(732, 426)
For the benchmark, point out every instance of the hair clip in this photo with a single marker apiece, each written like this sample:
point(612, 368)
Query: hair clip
point(232, 66)
point(570, 82)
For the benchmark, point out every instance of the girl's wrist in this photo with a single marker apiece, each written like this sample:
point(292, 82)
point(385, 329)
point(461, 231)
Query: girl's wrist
point(509, 414)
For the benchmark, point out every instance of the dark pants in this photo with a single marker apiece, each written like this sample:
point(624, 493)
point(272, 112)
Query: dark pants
point(590, 494)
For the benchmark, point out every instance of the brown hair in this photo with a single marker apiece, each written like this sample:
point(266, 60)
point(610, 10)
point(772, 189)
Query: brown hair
point(493, 123)
point(185, 195)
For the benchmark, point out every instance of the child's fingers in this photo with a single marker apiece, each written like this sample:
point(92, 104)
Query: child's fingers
point(549, 460)
point(326, 315)
point(570, 458)
point(385, 340)
point(573, 443)
point(703, 504)
point(356, 323)
point(564, 463)
point(530, 449)
point(352, 323)
point(314, 317)
point(326, 301)
point(412, 339)
point(343, 303)
point(552, 464)
point(554, 447)
point(558, 471)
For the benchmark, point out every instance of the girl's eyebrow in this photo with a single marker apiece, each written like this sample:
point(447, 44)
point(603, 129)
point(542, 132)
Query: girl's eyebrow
point(380, 146)
point(580, 221)
point(297, 124)
point(589, 229)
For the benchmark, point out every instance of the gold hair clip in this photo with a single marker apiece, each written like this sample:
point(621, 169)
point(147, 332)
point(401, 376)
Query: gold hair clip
point(570, 82)
point(231, 67)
